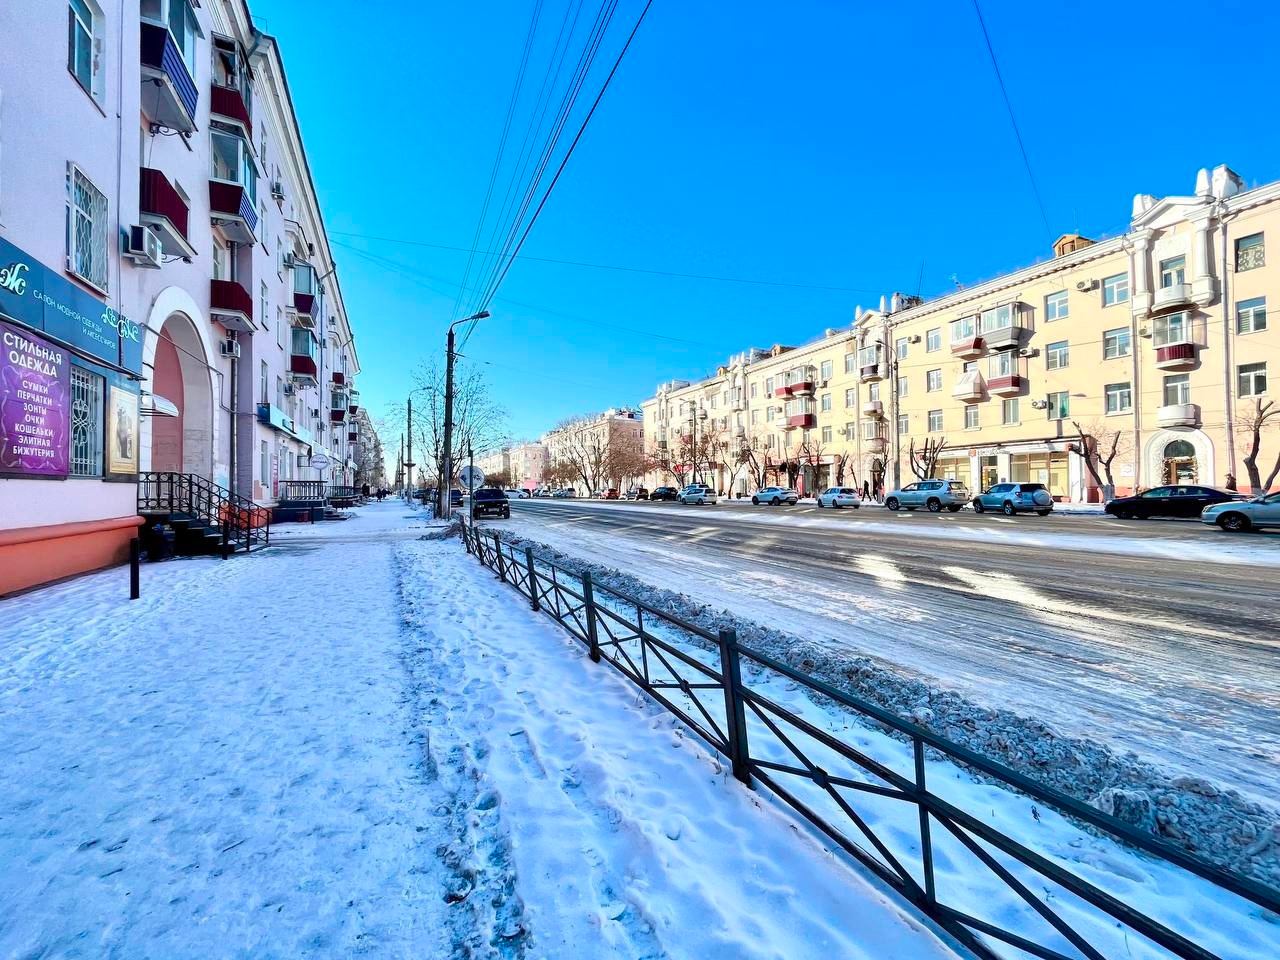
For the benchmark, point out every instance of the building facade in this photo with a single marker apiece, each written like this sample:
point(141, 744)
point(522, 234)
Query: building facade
point(1138, 359)
point(522, 463)
point(156, 200)
point(588, 454)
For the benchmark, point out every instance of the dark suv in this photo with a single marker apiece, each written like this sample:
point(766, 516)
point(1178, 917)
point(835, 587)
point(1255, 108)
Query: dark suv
point(665, 493)
point(490, 501)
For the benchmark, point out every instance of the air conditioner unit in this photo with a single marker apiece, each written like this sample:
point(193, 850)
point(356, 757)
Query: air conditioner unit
point(277, 190)
point(230, 348)
point(315, 412)
point(1039, 404)
point(288, 261)
point(142, 246)
point(289, 389)
point(1086, 285)
point(915, 338)
point(1144, 332)
point(1029, 352)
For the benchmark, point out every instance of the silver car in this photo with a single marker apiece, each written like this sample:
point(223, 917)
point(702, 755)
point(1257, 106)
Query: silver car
point(698, 493)
point(838, 497)
point(933, 495)
point(775, 496)
point(1238, 516)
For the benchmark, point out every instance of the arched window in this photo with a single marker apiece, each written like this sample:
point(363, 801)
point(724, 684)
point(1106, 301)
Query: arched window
point(1178, 449)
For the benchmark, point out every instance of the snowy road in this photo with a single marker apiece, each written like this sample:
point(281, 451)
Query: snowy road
point(1160, 638)
point(356, 743)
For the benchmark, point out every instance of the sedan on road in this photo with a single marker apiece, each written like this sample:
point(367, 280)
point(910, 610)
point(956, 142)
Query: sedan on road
point(1014, 498)
point(698, 493)
point(637, 493)
point(933, 495)
point(489, 501)
point(839, 497)
point(562, 494)
point(517, 494)
point(775, 496)
point(1239, 516)
point(1184, 500)
point(665, 493)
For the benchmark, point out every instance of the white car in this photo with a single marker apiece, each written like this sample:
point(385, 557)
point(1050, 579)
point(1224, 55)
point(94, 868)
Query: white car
point(839, 497)
point(1238, 516)
point(775, 496)
point(517, 494)
point(698, 493)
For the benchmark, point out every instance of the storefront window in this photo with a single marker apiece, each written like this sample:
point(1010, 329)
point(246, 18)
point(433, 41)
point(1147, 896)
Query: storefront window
point(86, 423)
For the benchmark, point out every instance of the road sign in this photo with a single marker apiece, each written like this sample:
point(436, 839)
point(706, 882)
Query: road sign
point(320, 461)
point(472, 477)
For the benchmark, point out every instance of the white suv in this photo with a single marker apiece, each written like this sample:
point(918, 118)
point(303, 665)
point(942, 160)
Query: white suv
point(698, 493)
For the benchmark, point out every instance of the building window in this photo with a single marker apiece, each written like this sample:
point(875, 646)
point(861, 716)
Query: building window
point(1173, 270)
point(850, 430)
point(755, 417)
point(280, 327)
point(1055, 306)
point(1059, 405)
point(181, 21)
point(825, 402)
point(1251, 315)
point(1251, 379)
point(969, 366)
point(900, 347)
point(753, 391)
point(1057, 355)
point(84, 35)
point(86, 229)
point(997, 318)
point(869, 356)
point(1116, 343)
point(1115, 289)
point(1171, 328)
point(1009, 411)
point(935, 421)
point(264, 467)
point(850, 362)
point(826, 434)
point(904, 424)
point(86, 423)
point(1119, 398)
point(826, 370)
point(1177, 389)
point(902, 386)
point(870, 430)
point(232, 161)
point(1250, 252)
point(971, 421)
point(263, 380)
point(873, 391)
point(1002, 364)
point(933, 380)
point(768, 386)
point(850, 397)
point(263, 305)
point(964, 329)
point(768, 414)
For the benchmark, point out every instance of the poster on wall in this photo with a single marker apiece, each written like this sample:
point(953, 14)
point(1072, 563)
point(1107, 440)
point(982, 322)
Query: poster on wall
point(35, 387)
point(122, 431)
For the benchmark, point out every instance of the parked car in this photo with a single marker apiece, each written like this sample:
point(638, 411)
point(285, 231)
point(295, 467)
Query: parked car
point(839, 497)
point(517, 494)
point(933, 495)
point(565, 493)
point(1186, 500)
point(775, 496)
point(637, 493)
point(455, 497)
point(612, 494)
point(665, 493)
point(1243, 515)
point(1014, 498)
point(698, 493)
point(490, 502)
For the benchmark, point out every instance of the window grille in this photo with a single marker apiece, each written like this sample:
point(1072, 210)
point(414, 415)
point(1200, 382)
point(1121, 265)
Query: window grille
point(86, 423)
point(86, 229)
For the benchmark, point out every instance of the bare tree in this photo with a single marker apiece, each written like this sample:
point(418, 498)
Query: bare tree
point(760, 463)
point(731, 454)
point(660, 460)
point(479, 423)
point(809, 454)
point(625, 459)
point(840, 461)
point(583, 444)
point(499, 478)
point(699, 453)
point(925, 461)
point(1253, 424)
point(559, 473)
point(1098, 449)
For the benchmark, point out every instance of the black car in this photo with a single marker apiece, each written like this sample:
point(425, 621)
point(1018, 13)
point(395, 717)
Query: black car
point(490, 501)
point(637, 493)
point(1174, 500)
point(455, 497)
point(665, 493)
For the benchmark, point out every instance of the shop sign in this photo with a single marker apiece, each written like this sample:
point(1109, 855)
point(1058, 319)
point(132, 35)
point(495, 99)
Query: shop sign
point(41, 298)
point(35, 389)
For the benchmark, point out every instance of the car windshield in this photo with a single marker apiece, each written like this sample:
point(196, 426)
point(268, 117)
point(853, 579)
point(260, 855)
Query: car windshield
point(489, 495)
point(1158, 493)
point(1031, 487)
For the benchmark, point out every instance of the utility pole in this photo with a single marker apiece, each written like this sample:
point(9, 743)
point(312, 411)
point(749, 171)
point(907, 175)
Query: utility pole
point(408, 463)
point(446, 478)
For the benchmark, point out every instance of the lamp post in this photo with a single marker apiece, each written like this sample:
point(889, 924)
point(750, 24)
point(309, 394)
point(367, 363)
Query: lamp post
point(446, 478)
point(696, 413)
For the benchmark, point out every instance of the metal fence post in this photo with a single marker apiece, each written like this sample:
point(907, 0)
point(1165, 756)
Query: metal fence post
point(533, 579)
point(135, 558)
point(588, 597)
point(735, 710)
point(466, 536)
point(926, 843)
point(502, 565)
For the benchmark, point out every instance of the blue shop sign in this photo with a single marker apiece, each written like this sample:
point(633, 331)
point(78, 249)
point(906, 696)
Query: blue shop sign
point(42, 299)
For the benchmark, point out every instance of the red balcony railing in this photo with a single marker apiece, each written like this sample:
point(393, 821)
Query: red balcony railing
point(805, 420)
point(1008, 384)
point(302, 365)
point(1175, 355)
point(229, 102)
point(158, 197)
point(339, 377)
point(304, 304)
point(227, 297)
point(968, 348)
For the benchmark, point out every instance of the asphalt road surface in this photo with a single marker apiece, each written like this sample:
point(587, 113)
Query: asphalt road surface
point(1174, 654)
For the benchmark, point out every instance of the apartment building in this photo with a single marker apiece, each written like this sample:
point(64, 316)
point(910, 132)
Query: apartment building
point(594, 451)
point(161, 242)
point(523, 463)
point(1144, 352)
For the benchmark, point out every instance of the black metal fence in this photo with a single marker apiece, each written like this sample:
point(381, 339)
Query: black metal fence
point(302, 490)
point(242, 523)
point(899, 811)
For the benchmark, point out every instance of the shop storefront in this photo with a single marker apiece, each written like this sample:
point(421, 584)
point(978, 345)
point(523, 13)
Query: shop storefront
point(70, 366)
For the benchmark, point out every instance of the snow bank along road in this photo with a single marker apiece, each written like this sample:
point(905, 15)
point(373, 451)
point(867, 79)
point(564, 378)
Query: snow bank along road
point(1158, 637)
point(357, 743)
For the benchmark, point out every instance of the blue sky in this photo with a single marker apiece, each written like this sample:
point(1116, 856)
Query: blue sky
point(858, 146)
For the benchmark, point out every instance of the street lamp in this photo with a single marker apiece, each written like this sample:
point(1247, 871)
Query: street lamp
point(446, 479)
point(696, 413)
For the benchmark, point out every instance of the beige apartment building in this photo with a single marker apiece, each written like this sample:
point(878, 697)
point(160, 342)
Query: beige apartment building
point(597, 450)
point(523, 463)
point(1155, 345)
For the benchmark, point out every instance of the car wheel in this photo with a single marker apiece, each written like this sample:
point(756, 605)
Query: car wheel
point(892, 503)
point(953, 508)
point(755, 501)
point(1043, 513)
point(819, 503)
point(1008, 509)
point(1235, 522)
point(977, 506)
point(934, 505)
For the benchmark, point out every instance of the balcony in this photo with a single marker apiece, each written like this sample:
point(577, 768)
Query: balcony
point(275, 418)
point(302, 368)
point(873, 408)
point(169, 95)
point(802, 388)
point(231, 305)
point(353, 402)
point(1009, 385)
point(1178, 415)
point(162, 208)
point(805, 421)
point(1176, 296)
point(1003, 337)
point(967, 348)
point(782, 391)
point(304, 310)
point(339, 378)
point(231, 210)
point(876, 445)
point(873, 373)
point(227, 103)
point(1176, 356)
point(969, 388)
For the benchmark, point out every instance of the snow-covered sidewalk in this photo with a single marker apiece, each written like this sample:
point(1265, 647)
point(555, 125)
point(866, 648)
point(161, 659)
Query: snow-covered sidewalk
point(357, 742)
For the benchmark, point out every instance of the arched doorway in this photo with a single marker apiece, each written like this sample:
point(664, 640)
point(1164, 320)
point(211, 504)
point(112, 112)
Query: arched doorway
point(1179, 462)
point(183, 443)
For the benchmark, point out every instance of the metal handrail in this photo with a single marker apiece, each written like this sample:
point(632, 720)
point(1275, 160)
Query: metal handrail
point(242, 522)
point(607, 632)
